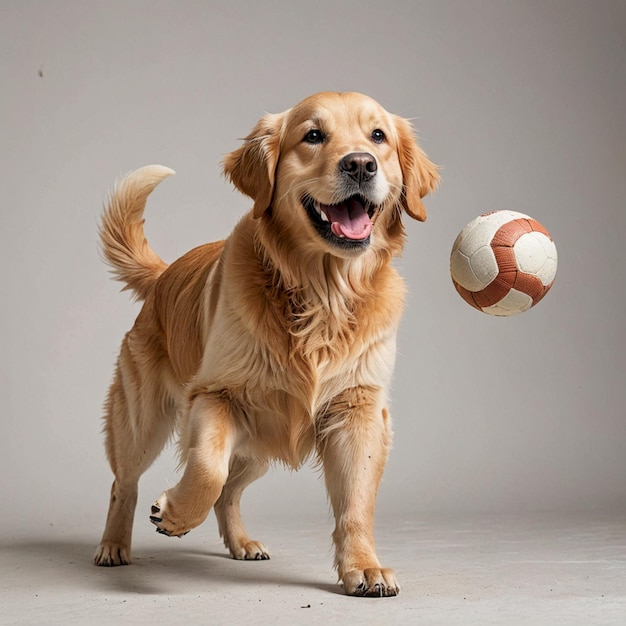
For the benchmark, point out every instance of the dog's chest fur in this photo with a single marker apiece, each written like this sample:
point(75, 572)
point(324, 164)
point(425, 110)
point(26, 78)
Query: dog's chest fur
point(281, 354)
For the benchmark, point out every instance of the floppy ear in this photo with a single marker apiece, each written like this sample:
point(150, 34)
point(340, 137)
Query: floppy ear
point(251, 167)
point(419, 175)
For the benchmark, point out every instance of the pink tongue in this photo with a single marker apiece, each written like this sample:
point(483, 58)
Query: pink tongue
point(349, 219)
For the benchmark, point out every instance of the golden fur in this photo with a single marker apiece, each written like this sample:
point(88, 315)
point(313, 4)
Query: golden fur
point(277, 343)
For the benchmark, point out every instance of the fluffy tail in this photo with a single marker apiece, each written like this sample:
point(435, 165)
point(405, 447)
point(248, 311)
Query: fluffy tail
point(121, 231)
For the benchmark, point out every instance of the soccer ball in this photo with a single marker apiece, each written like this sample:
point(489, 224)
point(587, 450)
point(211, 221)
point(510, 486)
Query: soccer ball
point(503, 263)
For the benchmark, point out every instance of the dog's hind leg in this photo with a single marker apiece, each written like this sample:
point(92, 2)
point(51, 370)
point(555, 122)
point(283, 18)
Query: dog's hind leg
point(228, 513)
point(136, 428)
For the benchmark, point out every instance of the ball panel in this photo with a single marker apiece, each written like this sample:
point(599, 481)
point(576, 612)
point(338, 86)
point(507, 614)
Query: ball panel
point(475, 238)
point(538, 228)
point(546, 288)
point(462, 272)
point(493, 293)
point(530, 285)
point(505, 258)
point(510, 232)
point(530, 252)
point(484, 265)
point(548, 272)
point(536, 254)
point(513, 303)
point(549, 247)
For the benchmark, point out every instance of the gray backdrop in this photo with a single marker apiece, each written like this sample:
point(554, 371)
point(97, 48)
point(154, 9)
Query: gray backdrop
point(523, 105)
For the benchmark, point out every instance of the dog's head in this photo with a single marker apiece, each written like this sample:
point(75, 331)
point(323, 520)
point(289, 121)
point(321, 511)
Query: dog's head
point(336, 165)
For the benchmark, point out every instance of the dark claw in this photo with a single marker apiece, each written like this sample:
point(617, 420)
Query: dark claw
point(361, 590)
point(156, 520)
point(155, 509)
point(162, 531)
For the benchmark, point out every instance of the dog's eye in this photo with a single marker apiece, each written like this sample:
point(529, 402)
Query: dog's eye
point(314, 136)
point(378, 136)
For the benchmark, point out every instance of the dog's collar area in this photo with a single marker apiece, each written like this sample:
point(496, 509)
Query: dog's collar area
point(347, 224)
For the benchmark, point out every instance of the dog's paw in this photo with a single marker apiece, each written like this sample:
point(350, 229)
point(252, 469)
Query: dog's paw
point(111, 554)
point(371, 583)
point(250, 551)
point(168, 521)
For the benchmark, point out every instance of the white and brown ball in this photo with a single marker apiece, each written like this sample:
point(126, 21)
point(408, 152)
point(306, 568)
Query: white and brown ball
point(503, 263)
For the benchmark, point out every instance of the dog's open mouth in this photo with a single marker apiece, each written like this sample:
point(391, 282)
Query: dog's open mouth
point(347, 223)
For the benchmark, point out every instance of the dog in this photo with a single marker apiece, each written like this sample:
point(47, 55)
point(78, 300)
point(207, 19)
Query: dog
point(277, 344)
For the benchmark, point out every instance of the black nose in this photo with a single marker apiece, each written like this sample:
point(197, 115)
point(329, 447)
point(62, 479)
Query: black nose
point(360, 166)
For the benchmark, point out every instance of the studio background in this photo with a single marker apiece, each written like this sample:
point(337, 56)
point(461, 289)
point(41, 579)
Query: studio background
point(521, 103)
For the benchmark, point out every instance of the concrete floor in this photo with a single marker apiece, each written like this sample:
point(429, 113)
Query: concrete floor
point(532, 570)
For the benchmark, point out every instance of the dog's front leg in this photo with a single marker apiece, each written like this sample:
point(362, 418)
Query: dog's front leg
point(354, 440)
point(207, 443)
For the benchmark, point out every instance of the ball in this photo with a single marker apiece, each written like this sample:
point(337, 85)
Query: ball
point(503, 263)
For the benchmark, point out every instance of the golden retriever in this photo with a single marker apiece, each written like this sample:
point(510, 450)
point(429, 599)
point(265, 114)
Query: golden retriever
point(276, 344)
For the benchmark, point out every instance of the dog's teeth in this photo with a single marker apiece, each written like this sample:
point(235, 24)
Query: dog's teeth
point(320, 211)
